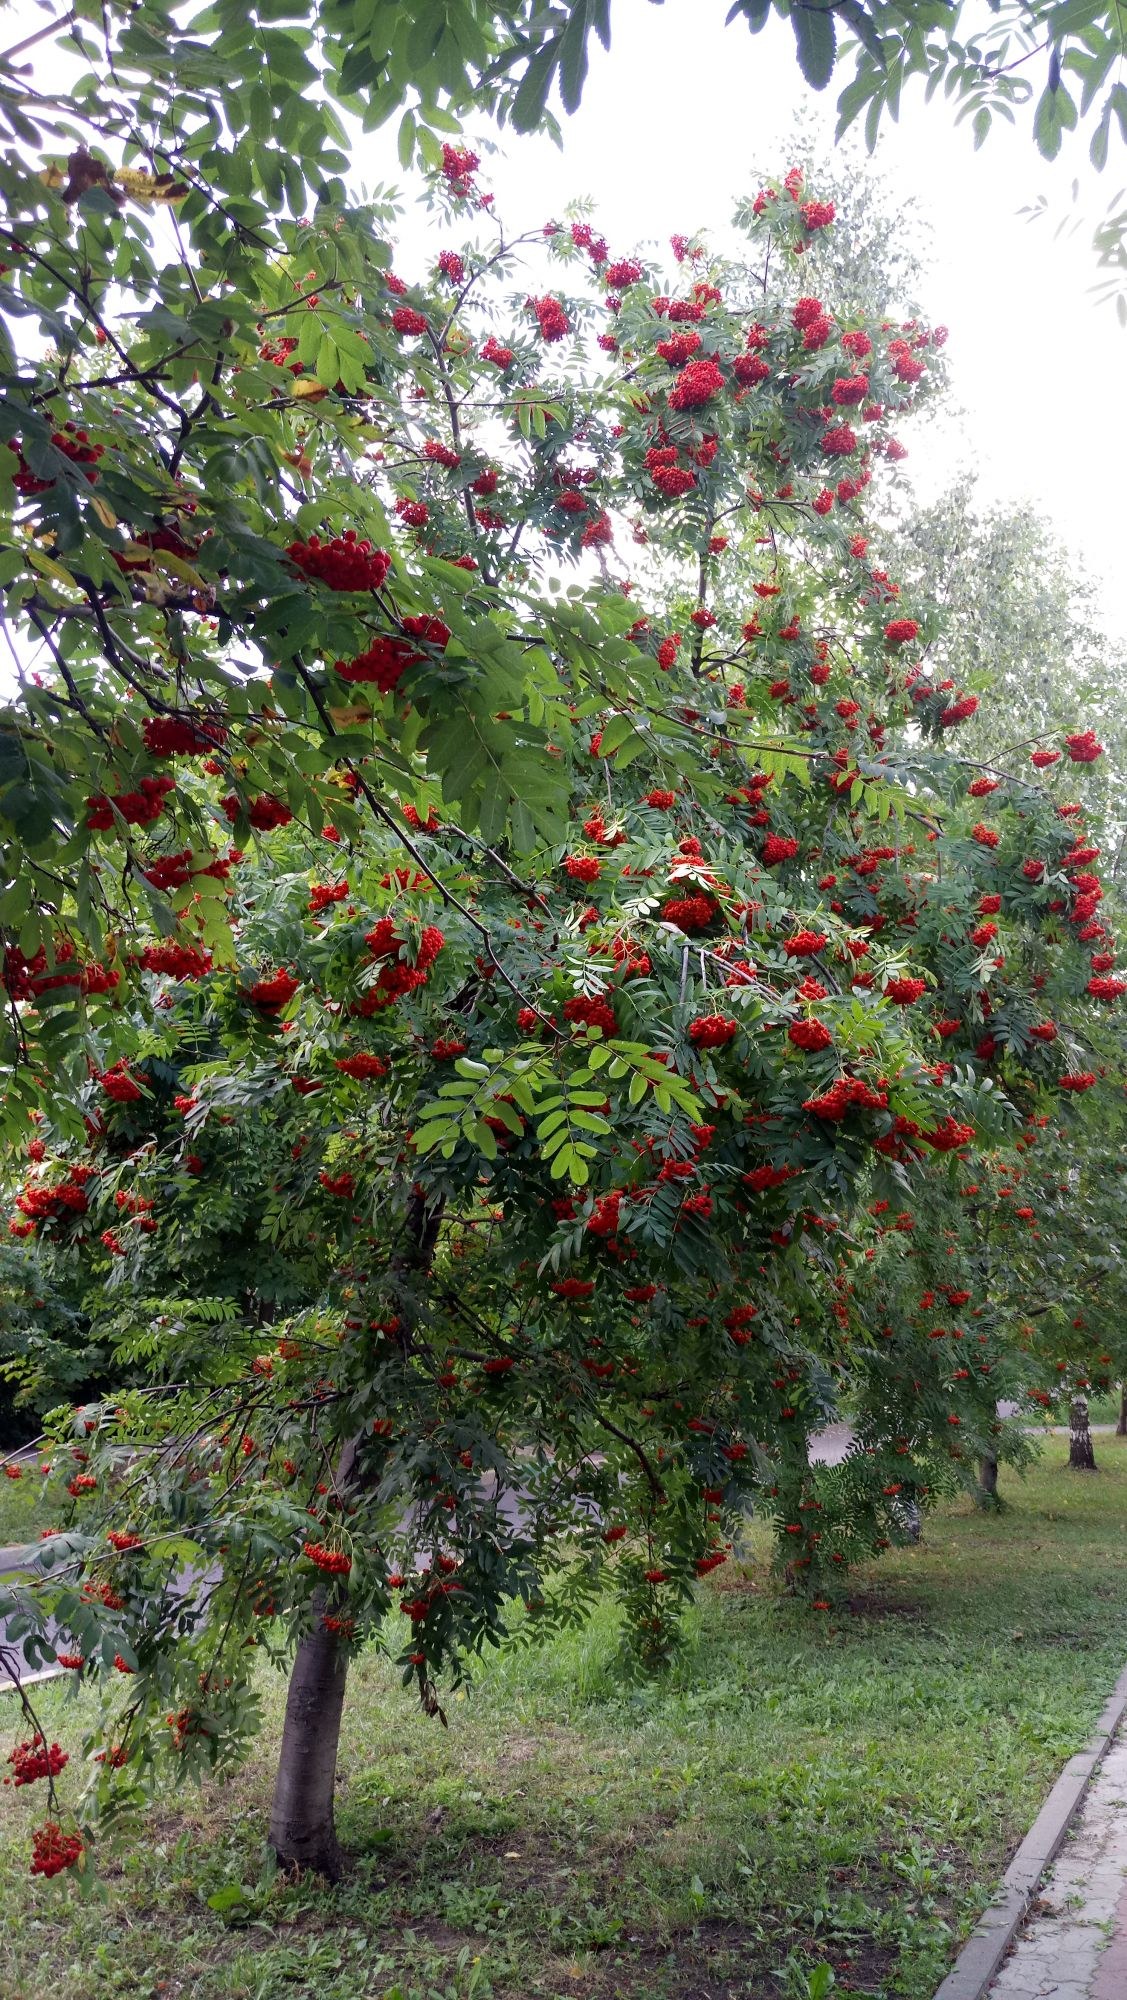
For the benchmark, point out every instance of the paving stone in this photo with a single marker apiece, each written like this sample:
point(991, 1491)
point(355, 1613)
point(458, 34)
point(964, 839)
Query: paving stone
point(1066, 1989)
point(1110, 1981)
point(1075, 1947)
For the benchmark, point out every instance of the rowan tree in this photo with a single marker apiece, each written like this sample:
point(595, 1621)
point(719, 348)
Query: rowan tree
point(549, 986)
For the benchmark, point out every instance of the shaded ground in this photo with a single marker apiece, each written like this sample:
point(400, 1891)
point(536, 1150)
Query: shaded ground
point(797, 1791)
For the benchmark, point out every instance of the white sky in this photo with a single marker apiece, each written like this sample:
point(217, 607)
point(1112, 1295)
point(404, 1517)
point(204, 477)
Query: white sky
point(682, 117)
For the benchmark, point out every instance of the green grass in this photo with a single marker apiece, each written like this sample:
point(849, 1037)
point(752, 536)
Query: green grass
point(842, 1789)
point(1101, 1410)
point(23, 1510)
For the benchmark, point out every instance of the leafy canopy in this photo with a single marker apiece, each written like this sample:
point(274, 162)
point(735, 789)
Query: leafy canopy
point(471, 1023)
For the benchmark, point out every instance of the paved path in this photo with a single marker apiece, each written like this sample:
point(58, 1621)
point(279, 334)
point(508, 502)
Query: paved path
point(13, 1558)
point(1074, 1946)
point(830, 1446)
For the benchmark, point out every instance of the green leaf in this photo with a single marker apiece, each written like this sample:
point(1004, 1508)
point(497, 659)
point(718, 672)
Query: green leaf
point(230, 1897)
point(509, 1118)
point(863, 26)
point(483, 1138)
point(1055, 114)
point(755, 12)
point(816, 39)
point(613, 733)
point(430, 146)
point(573, 56)
point(630, 747)
point(531, 99)
point(326, 367)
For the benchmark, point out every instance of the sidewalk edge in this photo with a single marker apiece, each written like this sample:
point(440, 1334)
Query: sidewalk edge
point(987, 1945)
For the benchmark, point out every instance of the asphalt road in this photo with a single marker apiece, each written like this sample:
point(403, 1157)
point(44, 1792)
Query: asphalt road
point(15, 1557)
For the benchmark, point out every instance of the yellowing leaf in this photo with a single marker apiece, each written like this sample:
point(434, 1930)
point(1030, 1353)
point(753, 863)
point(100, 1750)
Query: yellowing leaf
point(47, 566)
point(105, 514)
point(149, 187)
point(307, 389)
point(176, 566)
point(344, 717)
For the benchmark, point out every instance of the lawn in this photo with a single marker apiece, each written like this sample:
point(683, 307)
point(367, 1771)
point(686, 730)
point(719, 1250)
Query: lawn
point(23, 1509)
point(801, 1790)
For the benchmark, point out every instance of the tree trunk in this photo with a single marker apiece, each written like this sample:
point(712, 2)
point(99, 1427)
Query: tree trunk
point(1080, 1454)
point(988, 1481)
point(1121, 1426)
point(302, 1828)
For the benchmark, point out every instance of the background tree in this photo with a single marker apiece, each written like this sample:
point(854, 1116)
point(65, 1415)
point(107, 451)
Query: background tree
point(1019, 618)
point(48, 1348)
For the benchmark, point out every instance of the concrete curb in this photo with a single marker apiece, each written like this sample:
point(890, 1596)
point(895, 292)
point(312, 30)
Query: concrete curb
point(987, 1945)
point(28, 1680)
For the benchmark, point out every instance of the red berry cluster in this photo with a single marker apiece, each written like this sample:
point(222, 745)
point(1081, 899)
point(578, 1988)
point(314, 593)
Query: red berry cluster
point(178, 961)
point(501, 357)
point(264, 812)
point(690, 913)
point(406, 320)
point(590, 1013)
point(270, 995)
point(35, 1758)
point(140, 808)
point(176, 736)
point(334, 1562)
point(573, 1289)
point(583, 867)
point(52, 1850)
point(363, 1067)
point(551, 318)
point(697, 384)
point(810, 1036)
point(345, 563)
point(118, 1084)
point(905, 991)
point(834, 1103)
point(712, 1031)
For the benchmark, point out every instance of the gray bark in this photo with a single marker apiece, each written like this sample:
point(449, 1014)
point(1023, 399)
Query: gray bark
point(988, 1480)
point(1081, 1456)
point(1121, 1426)
point(302, 1828)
